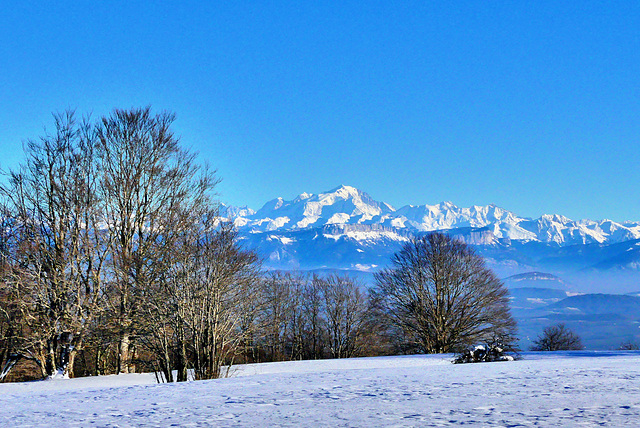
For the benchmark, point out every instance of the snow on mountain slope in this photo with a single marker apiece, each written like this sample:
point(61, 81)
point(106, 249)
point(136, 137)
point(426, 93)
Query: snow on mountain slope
point(345, 228)
point(346, 205)
point(446, 215)
point(342, 205)
point(627, 258)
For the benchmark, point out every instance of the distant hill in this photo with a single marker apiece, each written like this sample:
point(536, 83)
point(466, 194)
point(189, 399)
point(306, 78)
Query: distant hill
point(534, 297)
point(604, 321)
point(598, 304)
point(537, 280)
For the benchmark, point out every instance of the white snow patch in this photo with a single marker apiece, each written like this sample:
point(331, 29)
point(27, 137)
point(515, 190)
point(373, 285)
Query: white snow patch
point(339, 218)
point(283, 239)
point(365, 268)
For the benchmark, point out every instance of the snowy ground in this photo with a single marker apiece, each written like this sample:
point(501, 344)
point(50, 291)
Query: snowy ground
point(552, 389)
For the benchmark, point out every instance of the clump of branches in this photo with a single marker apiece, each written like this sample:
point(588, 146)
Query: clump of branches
point(114, 259)
point(500, 348)
point(629, 346)
point(54, 253)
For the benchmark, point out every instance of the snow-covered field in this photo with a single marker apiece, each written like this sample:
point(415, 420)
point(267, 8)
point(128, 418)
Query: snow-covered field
point(543, 389)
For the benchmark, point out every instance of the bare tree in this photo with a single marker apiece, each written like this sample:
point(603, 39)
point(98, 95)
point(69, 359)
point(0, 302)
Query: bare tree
point(557, 337)
point(56, 274)
point(275, 314)
point(10, 322)
point(441, 296)
point(312, 317)
point(345, 308)
point(9, 331)
point(149, 184)
point(315, 322)
point(225, 292)
point(110, 235)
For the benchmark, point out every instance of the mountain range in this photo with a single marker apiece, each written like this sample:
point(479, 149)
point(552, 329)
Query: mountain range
point(346, 229)
point(556, 269)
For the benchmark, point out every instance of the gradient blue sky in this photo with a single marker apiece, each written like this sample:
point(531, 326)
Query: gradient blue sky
point(533, 106)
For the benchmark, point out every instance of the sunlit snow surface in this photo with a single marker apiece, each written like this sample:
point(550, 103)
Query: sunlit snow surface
point(546, 389)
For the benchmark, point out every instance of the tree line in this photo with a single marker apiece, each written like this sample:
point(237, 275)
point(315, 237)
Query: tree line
point(114, 259)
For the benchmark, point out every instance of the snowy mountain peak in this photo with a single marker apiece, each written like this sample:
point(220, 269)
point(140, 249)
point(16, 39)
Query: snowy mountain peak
point(344, 189)
point(273, 204)
point(341, 205)
point(555, 218)
point(303, 196)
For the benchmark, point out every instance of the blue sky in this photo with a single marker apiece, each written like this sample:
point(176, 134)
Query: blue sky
point(533, 106)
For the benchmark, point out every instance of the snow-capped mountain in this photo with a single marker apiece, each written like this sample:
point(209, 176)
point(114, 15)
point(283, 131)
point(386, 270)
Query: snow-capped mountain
point(345, 228)
point(346, 205)
point(342, 205)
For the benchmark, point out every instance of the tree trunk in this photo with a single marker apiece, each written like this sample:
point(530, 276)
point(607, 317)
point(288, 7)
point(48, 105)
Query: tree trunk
point(182, 364)
point(72, 359)
point(124, 360)
point(168, 373)
point(41, 357)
